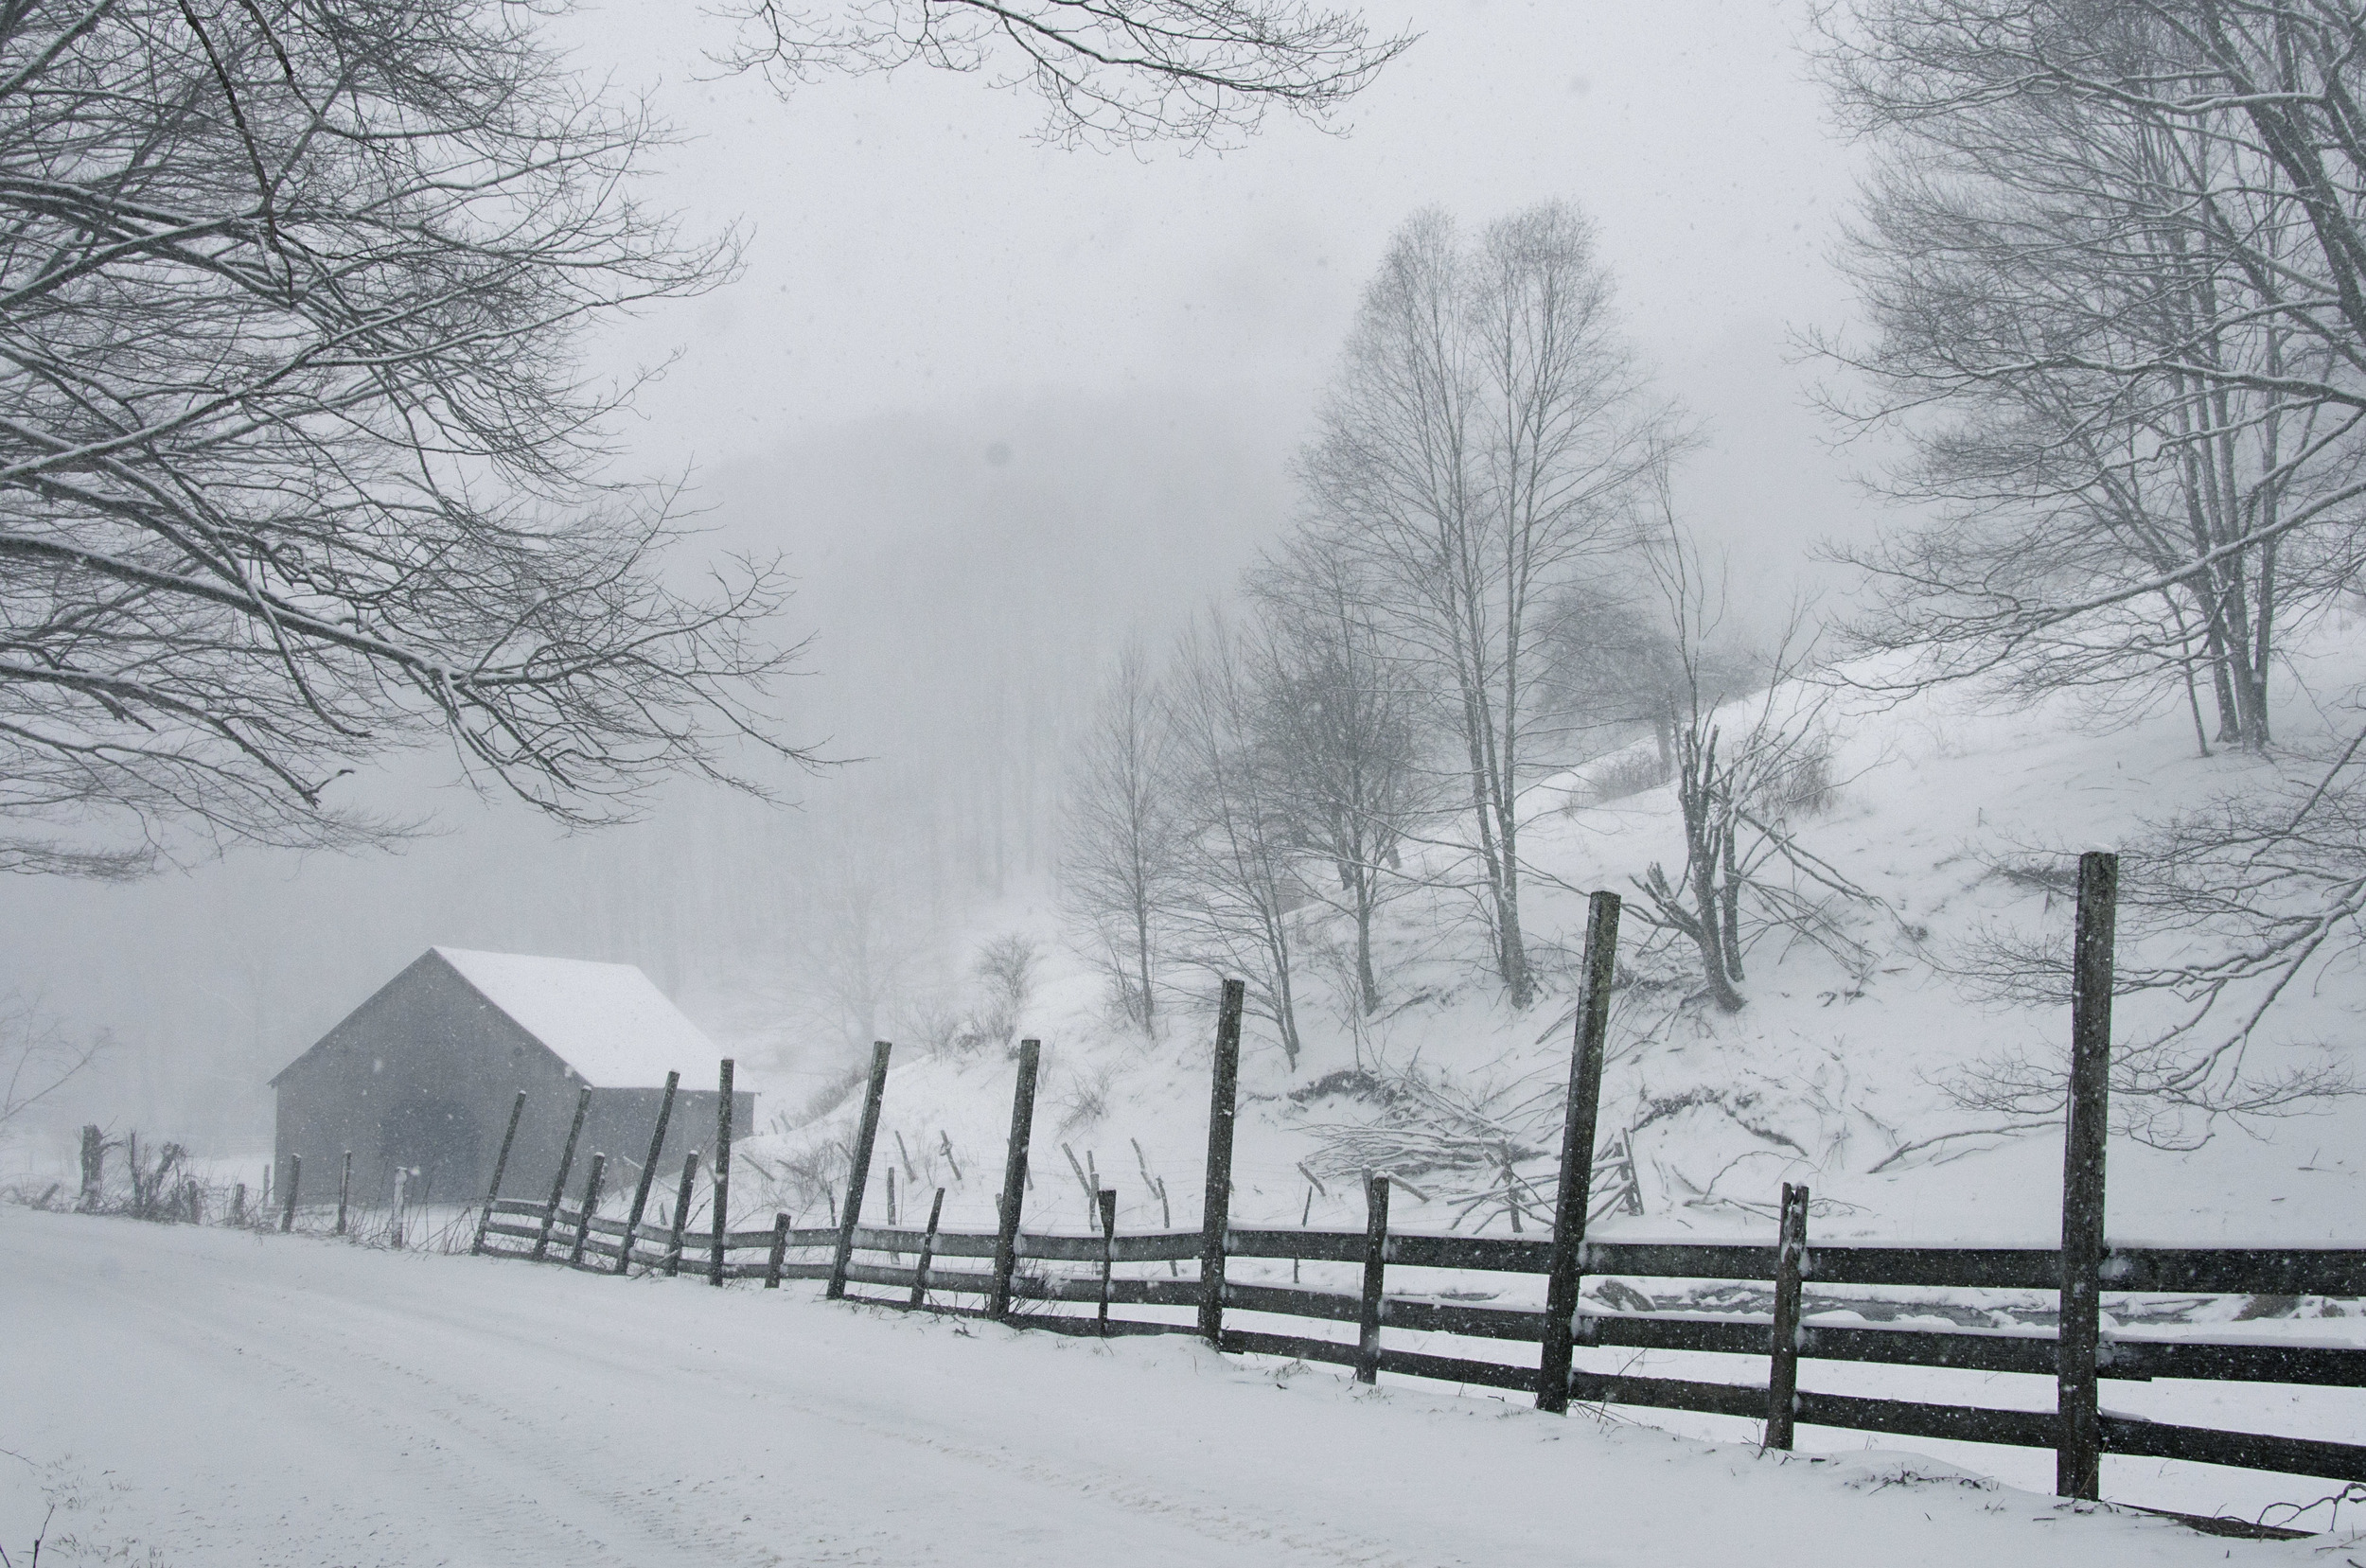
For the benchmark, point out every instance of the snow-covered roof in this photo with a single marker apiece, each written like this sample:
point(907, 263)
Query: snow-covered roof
point(604, 1020)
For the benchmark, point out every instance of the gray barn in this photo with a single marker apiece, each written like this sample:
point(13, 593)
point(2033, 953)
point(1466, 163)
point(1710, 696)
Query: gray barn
point(421, 1077)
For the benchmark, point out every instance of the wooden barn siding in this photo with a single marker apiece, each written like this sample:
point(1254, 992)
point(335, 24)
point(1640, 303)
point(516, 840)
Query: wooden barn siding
point(426, 1035)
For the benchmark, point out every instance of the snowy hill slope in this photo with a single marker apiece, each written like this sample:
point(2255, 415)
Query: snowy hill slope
point(1954, 815)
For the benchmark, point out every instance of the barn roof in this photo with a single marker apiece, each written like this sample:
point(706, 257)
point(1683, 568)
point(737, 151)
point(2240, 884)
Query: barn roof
point(604, 1020)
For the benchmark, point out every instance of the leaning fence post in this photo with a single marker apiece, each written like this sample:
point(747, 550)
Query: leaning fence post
point(2077, 1458)
point(1782, 1373)
point(859, 1174)
point(779, 1254)
point(648, 1174)
point(1216, 1207)
point(492, 1195)
point(1013, 1179)
point(927, 1251)
point(1375, 1278)
point(681, 1213)
point(558, 1183)
point(295, 1176)
point(345, 1193)
point(722, 1176)
point(590, 1202)
point(1574, 1197)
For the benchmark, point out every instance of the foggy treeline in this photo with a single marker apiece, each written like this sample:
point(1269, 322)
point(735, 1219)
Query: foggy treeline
point(2108, 363)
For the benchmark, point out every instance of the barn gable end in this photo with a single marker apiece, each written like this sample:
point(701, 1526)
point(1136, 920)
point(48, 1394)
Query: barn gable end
point(421, 1077)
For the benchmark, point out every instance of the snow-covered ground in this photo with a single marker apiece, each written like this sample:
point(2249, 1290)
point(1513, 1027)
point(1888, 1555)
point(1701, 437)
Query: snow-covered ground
point(187, 1398)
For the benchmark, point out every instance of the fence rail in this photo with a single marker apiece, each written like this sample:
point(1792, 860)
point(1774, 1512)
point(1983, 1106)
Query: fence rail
point(992, 1273)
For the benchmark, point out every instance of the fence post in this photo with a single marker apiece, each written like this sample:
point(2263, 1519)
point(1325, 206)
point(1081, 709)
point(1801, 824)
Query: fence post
point(858, 1174)
point(1782, 1373)
point(558, 1183)
point(1013, 1179)
point(590, 1202)
point(492, 1195)
point(295, 1176)
point(344, 1191)
point(2077, 1458)
point(94, 1166)
point(927, 1251)
point(1106, 1201)
point(1375, 1277)
point(402, 1207)
point(238, 1203)
point(722, 1176)
point(681, 1213)
point(1573, 1198)
point(648, 1174)
point(780, 1253)
point(1216, 1207)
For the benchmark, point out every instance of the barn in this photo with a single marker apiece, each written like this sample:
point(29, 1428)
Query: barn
point(421, 1077)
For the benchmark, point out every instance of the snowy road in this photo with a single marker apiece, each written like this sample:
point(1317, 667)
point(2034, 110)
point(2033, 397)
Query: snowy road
point(200, 1396)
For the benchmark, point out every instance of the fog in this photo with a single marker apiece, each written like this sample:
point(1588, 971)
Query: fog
point(1003, 406)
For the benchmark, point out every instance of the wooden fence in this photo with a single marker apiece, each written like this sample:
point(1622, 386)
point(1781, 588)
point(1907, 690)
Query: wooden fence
point(1049, 1281)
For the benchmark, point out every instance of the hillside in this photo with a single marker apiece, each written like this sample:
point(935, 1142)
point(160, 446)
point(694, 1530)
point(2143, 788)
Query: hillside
point(1956, 815)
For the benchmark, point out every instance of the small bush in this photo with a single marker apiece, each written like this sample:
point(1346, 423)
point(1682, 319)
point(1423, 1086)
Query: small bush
point(1802, 785)
point(1629, 773)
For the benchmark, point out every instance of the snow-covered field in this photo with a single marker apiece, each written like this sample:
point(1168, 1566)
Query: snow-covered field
point(188, 1396)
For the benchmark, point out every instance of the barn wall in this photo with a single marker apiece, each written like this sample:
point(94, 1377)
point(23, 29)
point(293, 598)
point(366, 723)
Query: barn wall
point(621, 1120)
point(422, 1075)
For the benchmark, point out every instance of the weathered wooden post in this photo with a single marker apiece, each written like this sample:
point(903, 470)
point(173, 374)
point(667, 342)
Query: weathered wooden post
point(295, 1176)
point(402, 1207)
point(1782, 1373)
point(779, 1254)
point(858, 1174)
point(237, 1205)
point(2077, 1458)
point(492, 1193)
point(722, 1175)
point(591, 1206)
point(1107, 1204)
point(1375, 1277)
point(1573, 1197)
point(565, 1162)
point(648, 1174)
point(1216, 1207)
point(1013, 1179)
point(927, 1251)
point(681, 1213)
point(345, 1193)
point(94, 1166)
point(197, 1203)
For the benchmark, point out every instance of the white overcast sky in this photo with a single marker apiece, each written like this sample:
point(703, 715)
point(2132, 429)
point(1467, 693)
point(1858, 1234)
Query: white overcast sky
point(912, 249)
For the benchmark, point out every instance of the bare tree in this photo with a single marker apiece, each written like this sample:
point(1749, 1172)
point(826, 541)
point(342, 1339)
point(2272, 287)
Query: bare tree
point(1343, 726)
point(1749, 764)
point(37, 1056)
point(1005, 966)
point(1108, 71)
point(2109, 250)
point(296, 462)
point(1238, 883)
point(1483, 438)
point(1122, 835)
